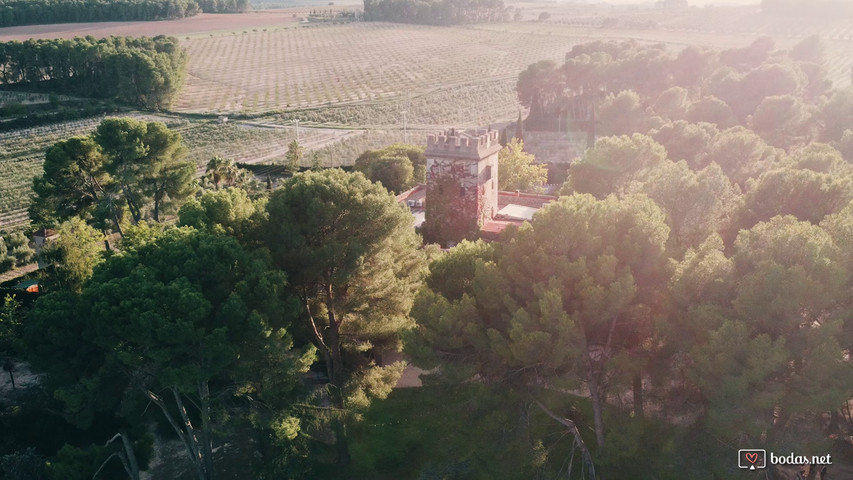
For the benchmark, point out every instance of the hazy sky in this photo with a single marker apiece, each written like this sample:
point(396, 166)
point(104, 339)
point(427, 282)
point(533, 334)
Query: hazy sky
point(699, 2)
point(727, 2)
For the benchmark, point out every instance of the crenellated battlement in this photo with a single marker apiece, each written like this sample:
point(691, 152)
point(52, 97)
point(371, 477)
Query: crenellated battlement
point(471, 143)
point(462, 182)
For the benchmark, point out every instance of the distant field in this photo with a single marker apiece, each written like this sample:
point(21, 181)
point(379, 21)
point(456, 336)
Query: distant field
point(356, 62)
point(374, 63)
point(355, 81)
point(202, 23)
point(462, 105)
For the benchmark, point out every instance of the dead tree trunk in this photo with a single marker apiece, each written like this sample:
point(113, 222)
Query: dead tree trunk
point(638, 395)
point(206, 440)
point(126, 455)
point(187, 436)
point(595, 394)
point(131, 465)
point(337, 377)
point(192, 437)
point(9, 366)
point(579, 443)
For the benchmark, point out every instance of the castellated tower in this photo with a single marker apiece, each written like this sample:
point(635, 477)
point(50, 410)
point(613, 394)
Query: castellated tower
point(462, 183)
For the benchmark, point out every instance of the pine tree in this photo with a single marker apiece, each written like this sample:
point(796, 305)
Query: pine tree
point(295, 153)
point(561, 298)
point(352, 258)
point(519, 127)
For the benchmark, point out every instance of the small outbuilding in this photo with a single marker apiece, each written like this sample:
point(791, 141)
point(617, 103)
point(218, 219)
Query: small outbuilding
point(31, 286)
point(41, 238)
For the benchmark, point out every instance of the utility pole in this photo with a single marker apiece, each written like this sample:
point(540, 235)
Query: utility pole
point(590, 139)
point(405, 120)
point(297, 129)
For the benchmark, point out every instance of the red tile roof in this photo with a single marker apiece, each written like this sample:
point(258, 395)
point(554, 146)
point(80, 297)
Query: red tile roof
point(492, 229)
point(418, 192)
point(45, 232)
point(524, 199)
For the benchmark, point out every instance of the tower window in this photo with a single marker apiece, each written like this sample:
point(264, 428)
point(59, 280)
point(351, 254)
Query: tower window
point(487, 173)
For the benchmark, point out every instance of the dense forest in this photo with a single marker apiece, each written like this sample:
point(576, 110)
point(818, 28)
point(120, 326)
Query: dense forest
point(435, 12)
point(223, 6)
point(634, 88)
point(688, 295)
point(146, 72)
point(733, 170)
point(34, 12)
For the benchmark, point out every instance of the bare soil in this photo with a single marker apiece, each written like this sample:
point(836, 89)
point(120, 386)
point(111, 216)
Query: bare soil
point(18, 272)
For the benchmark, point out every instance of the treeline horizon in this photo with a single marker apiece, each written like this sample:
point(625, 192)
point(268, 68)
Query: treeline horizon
point(35, 12)
point(435, 12)
point(141, 71)
point(639, 87)
point(809, 8)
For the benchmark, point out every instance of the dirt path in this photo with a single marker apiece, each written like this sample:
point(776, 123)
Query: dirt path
point(334, 135)
point(18, 272)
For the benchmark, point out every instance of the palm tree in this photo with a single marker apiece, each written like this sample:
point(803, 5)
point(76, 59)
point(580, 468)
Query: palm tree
point(221, 170)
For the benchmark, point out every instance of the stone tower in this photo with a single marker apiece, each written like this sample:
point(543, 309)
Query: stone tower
point(462, 183)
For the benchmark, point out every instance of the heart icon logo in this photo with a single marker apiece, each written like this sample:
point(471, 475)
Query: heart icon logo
point(751, 459)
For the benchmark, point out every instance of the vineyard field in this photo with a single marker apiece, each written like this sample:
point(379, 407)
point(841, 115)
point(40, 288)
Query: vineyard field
point(22, 151)
point(246, 143)
point(344, 152)
point(21, 156)
point(353, 86)
point(365, 64)
point(463, 106)
point(327, 65)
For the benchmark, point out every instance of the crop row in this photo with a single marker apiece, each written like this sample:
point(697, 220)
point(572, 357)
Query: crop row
point(464, 105)
point(7, 97)
point(276, 70)
point(15, 184)
point(344, 152)
point(240, 142)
